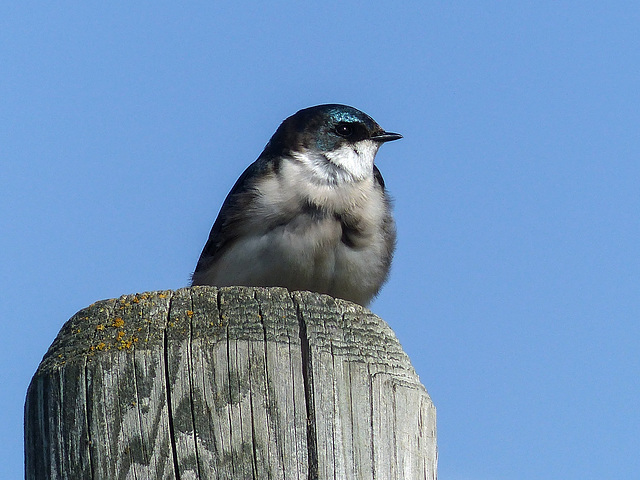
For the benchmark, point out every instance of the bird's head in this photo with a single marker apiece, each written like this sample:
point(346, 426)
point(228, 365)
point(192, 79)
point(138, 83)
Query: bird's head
point(338, 141)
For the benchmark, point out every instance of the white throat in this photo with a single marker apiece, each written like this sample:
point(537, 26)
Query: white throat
point(349, 163)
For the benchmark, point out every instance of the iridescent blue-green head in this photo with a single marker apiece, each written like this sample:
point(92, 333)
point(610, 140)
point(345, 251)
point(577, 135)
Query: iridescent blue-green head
point(326, 128)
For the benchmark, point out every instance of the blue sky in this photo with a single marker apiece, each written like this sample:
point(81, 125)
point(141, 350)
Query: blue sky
point(514, 288)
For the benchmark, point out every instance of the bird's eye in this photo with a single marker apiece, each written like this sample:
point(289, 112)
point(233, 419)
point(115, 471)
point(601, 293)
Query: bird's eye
point(344, 130)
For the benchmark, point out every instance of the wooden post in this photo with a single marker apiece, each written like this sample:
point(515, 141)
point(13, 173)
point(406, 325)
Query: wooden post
point(230, 383)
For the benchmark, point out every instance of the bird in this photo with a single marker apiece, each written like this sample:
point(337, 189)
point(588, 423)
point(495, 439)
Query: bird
point(311, 213)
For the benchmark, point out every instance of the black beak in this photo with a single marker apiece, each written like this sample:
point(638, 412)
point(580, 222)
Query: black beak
point(386, 137)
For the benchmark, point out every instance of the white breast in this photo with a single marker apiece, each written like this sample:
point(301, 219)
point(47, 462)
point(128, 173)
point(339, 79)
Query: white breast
point(287, 242)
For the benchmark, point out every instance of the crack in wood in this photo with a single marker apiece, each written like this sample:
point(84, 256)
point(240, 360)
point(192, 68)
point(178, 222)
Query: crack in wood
point(165, 356)
point(266, 377)
point(307, 376)
point(229, 381)
point(191, 392)
point(371, 423)
point(87, 407)
point(254, 455)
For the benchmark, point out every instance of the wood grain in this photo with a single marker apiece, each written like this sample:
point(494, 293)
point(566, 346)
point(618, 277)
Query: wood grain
point(229, 383)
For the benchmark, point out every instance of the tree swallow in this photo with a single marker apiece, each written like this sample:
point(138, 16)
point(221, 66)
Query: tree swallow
point(311, 213)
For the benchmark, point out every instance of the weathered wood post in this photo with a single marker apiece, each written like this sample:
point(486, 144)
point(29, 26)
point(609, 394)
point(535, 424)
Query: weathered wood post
point(231, 383)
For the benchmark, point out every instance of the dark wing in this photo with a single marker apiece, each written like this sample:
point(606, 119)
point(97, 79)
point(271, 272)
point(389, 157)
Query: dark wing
point(378, 176)
point(388, 225)
point(225, 229)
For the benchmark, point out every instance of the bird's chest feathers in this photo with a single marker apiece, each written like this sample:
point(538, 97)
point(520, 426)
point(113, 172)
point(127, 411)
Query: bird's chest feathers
point(310, 213)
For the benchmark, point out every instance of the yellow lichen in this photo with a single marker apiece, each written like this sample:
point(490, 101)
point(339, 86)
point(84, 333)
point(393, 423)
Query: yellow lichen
point(189, 312)
point(100, 326)
point(117, 322)
point(127, 343)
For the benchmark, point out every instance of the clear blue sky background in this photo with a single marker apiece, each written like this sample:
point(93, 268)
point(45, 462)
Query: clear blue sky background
point(515, 287)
